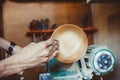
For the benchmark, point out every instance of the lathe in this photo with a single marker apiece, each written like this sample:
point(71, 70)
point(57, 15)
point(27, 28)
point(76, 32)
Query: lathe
point(76, 60)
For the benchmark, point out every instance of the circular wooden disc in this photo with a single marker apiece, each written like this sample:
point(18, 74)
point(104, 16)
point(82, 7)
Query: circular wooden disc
point(73, 43)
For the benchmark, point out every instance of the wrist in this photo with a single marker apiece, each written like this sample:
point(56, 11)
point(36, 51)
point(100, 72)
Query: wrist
point(11, 47)
point(16, 49)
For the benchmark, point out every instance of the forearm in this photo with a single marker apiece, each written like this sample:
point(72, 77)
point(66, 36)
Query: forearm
point(11, 65)
point(4, 43)
point(33, 55)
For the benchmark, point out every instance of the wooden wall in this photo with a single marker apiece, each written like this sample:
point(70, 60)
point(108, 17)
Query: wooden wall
point(17, 17)
point(106, 18)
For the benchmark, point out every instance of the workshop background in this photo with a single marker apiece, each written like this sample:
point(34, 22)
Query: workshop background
point(15, 18)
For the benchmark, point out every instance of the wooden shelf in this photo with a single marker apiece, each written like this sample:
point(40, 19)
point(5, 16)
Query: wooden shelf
point(90, 30)
point(30, 32)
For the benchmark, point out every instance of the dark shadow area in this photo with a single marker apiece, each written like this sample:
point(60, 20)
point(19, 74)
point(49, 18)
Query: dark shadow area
point(1, 18)
point(26, 1)
point(83, 1)
point(105, 1)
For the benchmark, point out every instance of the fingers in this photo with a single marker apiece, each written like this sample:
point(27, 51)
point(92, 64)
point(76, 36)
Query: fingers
point(53, 48)
point(51, 51)
point(47, 43)
point(53, 55)
point(48, 51)
point(42, 52)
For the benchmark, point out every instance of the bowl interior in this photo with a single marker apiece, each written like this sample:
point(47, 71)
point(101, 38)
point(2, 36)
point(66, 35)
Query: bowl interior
point(72, 43)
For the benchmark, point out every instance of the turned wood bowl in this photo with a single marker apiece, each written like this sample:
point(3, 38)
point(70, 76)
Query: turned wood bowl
point(73, 43)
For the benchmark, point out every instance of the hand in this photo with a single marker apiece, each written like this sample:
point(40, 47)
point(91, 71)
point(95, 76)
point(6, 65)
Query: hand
point(33, 55)
point(38, 54)
point(16, 49)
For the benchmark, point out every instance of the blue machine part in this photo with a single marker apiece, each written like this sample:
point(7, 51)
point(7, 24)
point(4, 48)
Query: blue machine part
point(102, 59)
point(45, 76)
point(62, 71)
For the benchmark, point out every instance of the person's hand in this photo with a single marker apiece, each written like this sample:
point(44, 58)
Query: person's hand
point(17, 49)
point(38, 54)
point(33, 55)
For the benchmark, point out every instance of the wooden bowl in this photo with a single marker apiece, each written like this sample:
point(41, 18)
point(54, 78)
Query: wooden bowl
point(73, 43)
